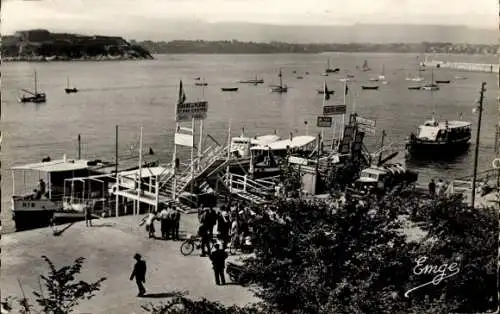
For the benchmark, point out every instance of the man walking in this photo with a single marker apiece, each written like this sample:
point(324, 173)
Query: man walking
point(218, 258)
point(139, 273)
point(432, 188)
point(88, 215)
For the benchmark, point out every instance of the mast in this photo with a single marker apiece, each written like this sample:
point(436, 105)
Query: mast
point(281, 80)
point(328, 63)
point(478, 133)
point(67, 82)
point(140, 176)
point(36, 83)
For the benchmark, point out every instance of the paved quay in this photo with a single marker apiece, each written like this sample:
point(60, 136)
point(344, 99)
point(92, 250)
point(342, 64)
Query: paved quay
point(108, 248)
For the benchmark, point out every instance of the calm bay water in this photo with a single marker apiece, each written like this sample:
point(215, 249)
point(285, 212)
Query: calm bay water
point(143, 93)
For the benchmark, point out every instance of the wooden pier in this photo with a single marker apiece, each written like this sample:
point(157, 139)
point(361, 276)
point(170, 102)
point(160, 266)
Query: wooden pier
point(463, 66)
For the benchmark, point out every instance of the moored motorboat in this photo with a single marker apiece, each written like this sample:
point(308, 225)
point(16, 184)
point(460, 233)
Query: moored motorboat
point(229, 89)
point(369, 87)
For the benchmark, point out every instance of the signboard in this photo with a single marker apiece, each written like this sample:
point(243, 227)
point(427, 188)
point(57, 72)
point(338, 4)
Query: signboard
point(367, 122)
point(334, 110)
point(191, 110)
point(183, 139)
point(298, 160)
point(367, 129)
point(324, 122)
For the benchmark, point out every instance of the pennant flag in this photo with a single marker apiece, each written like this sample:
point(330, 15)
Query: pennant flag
point(182, 95)
point(325, 91)
point(346, 89)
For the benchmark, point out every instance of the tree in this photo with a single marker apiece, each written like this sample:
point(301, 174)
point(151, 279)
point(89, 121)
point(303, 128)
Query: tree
point(63, 290)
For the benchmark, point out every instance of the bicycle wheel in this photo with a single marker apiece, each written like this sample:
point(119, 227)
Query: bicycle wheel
point(187, 247)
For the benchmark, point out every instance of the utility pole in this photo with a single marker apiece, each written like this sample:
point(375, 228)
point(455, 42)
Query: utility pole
point(478, 133)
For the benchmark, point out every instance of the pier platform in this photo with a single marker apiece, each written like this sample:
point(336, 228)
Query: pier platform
point(462, 66)
point(108, 248)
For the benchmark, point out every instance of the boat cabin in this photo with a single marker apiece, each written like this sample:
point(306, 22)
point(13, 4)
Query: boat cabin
point(240, 146)
point(435, 131)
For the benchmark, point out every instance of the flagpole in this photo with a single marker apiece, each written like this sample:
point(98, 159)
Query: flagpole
point(192, 154)
point(140, 175)
point(343, 115)
point(174, 158)
point(325, 94)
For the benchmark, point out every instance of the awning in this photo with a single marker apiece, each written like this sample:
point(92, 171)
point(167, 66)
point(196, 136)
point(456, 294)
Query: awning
point(295, 142)
point(55, 166)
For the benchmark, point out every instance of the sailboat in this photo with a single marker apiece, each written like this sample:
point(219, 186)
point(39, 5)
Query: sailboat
point(254, 81)
point(36, 97)
point(382, 76)
point(417, 78)
point(69, 90)
point(281, 88)
point(365, 67)
point(202, 83)
point(432, 86)
point(330, 70)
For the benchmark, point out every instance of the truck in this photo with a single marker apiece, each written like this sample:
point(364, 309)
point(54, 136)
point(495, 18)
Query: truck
point(379, 179)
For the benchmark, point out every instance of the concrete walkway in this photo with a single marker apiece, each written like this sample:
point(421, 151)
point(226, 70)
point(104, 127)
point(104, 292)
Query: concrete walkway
point(108, 248)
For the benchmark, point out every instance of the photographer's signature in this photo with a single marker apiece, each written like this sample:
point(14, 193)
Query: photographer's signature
point(441, 272)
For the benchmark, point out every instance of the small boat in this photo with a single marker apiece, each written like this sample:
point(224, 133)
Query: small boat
point(254, 81)
point(279, 88)
point(432, 86)
point(417, 78)
point(330, 70)
point(458, 77)
point(294, 71)
point(229, 89)
point(443, 81)
point(350, 75)
point(299, 77)
point(365, 67)
point(374, 79)
point(322, 91)
point(36, 96)
point(414, 87)
point(307, 73)
point(368, 87)
point(69, 90)
point(382, 76)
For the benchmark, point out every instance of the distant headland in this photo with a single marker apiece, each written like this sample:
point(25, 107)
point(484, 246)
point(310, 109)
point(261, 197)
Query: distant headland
point(236, 47)
point(42, 45)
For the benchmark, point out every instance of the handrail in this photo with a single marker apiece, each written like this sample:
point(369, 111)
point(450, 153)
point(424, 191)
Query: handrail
point(248, 183)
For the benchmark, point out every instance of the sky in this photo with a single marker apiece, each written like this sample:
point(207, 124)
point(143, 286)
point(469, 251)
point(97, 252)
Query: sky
point(105, 16)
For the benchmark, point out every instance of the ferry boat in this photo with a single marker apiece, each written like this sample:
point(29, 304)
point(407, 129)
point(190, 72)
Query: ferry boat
point(35, 97)
point(440, 137)
point(35, 207)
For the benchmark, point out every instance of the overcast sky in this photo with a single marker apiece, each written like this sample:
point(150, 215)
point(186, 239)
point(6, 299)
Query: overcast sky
point(132, 15)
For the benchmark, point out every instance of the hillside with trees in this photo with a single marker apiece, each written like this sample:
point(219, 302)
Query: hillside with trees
point(41, 45)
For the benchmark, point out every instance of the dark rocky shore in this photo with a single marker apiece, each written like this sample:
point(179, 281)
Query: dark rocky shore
point(42, 45)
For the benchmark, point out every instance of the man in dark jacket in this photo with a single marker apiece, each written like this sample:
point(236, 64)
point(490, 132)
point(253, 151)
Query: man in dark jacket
point(139, 273)
point(218, 258)
point(176, 221)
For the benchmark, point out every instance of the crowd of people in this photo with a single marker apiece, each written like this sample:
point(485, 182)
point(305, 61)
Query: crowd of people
point(169, 218)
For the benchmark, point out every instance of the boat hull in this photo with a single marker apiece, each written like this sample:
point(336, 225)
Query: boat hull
point(437, 150)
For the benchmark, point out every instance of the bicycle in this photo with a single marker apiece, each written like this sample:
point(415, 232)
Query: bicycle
point(192, 242)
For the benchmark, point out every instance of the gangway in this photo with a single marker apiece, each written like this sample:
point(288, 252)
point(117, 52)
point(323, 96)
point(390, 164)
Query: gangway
point(256, 192)
point(212, 161)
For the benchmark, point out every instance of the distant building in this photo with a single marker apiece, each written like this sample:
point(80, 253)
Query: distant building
point(36, 35)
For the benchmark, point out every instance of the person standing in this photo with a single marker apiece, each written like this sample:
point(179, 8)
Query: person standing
point(42, 187)
point(223, 228)
point(218, 258)
point(432, 188)
point(170, 222)
point(163, 222)
point(150, 224)
point(176, 221)
point(139, 273)
point(88, 215)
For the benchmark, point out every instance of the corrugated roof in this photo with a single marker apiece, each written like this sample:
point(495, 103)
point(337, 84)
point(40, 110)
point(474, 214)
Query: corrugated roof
point(60, 165)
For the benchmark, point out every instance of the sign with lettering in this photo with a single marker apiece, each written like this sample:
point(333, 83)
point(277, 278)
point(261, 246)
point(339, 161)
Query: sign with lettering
point(298, 160)
point(367, 129)
point(368, 122)
point(324, 122)
point(334, 110)
point(191, 110)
